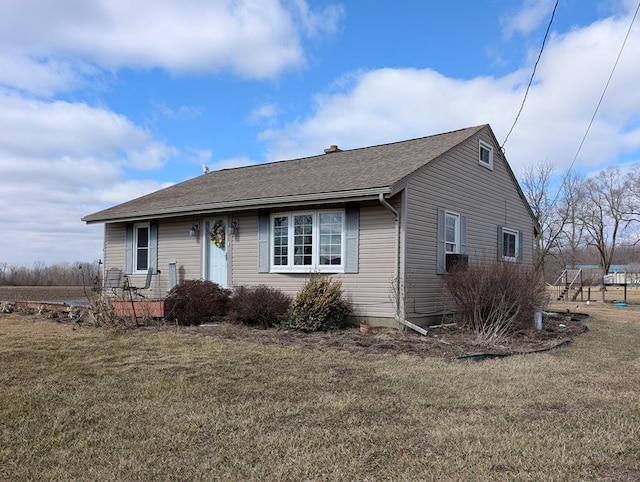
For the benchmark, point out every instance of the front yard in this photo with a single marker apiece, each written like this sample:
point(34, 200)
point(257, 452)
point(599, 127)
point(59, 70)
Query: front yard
point(191, 404)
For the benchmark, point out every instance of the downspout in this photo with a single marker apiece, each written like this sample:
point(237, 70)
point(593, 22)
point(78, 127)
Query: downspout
point(396, 267)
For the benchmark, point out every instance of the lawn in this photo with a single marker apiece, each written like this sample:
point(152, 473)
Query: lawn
point(93, 404)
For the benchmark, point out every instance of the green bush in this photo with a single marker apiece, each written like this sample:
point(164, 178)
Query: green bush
point(318, 306)
point(259, 305)
point(194, 302)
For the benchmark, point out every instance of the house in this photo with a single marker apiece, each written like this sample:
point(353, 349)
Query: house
point(386, 220)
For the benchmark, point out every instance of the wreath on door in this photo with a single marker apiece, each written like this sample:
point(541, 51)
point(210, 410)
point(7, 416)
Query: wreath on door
point(217, 234)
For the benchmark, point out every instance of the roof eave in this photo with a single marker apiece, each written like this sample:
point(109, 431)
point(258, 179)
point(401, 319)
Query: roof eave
point(242, 205)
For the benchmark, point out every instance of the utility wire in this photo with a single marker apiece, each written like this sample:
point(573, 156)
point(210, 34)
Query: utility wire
point(535, 66)
point(604, 91)
point(605, 88)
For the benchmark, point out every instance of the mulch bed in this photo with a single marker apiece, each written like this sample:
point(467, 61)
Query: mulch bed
point(445, 342)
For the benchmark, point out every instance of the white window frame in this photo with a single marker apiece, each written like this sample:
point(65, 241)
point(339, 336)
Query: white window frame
point(484, 146)
point(456, 249)
point(136, 227)
point(315, 265)
point(515, 234)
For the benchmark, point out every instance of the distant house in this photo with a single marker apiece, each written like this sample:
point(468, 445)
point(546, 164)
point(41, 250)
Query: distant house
point(386, 220)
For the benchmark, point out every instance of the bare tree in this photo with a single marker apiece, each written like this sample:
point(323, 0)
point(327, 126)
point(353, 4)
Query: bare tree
point(607, 212)
point(549, 208)
point(573, 195)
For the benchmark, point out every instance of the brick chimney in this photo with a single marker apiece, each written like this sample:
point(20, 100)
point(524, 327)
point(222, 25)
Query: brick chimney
point(332, 148)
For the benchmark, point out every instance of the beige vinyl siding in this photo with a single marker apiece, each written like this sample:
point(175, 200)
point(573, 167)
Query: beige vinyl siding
point(173, 242)
point(369, 289)
point(114, 249)
point(487, 198)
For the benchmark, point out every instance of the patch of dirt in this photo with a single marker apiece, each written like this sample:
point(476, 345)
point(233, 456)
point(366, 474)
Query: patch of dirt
point(441, 342)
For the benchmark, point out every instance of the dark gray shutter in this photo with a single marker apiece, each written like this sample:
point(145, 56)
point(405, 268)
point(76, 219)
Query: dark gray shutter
point(128, 249)
point(441, 260)
point(520, 247)
point(263, 241)
point(463, 234)
point(500, 243)
point(153, 246)
point(352, 233)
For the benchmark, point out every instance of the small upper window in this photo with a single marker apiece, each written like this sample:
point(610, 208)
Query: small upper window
point(485, 155)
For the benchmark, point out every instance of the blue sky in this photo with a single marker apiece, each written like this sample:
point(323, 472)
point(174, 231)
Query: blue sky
point(105, 100)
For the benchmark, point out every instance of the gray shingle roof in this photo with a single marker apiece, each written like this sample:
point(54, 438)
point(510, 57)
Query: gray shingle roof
point(338, 175)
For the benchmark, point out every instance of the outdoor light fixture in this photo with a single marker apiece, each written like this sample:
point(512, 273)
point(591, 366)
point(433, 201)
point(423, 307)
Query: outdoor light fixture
point(233, 227)
point(195, 229)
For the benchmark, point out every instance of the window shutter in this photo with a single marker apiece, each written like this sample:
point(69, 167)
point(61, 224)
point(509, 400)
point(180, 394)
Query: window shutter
point(352, 228)
point(128, 249)
point(263, 242)
point(153, 246)
point(520, 247)
point(463, 234)
point(441, 267)
point(500, 241)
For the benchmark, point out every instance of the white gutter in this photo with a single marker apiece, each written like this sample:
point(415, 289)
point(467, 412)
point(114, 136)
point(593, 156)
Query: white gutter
point(396, 267)
point(237, 205)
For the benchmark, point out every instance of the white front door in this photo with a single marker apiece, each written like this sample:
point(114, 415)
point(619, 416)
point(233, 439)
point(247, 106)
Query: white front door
point(215, 250)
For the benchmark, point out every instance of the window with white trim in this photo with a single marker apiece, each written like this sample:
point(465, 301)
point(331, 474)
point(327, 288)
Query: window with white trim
point(452, 233)
point(485, 155)
point(141, 246)
point(510, 248)
point(308, 241)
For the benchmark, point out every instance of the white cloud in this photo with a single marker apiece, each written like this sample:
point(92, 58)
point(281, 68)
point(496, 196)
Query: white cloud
point(524, 21)
point(264, 112)
point(59, 162)
point(392, 104)
point(257, 39)
point(33, 128)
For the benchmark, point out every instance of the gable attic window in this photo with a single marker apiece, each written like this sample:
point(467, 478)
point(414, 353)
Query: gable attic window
point(485, 155)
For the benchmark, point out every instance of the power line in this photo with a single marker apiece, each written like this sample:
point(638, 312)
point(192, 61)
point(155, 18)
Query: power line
point(604, 91)
point(535, 66)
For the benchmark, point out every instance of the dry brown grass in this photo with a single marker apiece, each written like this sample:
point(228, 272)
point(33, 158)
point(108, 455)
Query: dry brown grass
point(90, 404)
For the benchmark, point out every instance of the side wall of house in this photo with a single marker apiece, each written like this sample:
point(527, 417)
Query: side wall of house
point(487, 198)
point(369, 289)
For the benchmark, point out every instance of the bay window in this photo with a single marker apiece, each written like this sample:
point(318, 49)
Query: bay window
point(307, 241)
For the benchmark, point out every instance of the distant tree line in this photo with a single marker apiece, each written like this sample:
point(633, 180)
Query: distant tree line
point(593, 220)
point(59, 274)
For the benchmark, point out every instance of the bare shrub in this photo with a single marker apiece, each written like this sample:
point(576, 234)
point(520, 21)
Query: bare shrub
point(259, 305)
point(194, 302)
point(318, 306)
point(495, 299)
